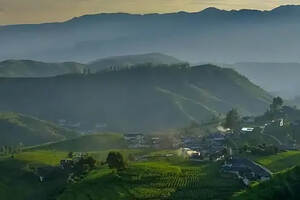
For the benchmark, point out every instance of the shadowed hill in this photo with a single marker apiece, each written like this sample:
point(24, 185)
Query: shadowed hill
point(17, 128)
point(143, 97)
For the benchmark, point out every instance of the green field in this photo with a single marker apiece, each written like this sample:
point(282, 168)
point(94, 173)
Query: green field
point(93, 142)
point(284, 185)
point(152, 176)
point(157, 178)
point(18, 181)
point(280, 161)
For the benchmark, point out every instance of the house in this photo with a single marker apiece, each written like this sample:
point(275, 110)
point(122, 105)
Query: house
point(66, 164)
point(134, 140)
point(247, 130)
point(189, 153)
point(100, 125)
point(155, 141)
point(216, 137)
point(246, 169)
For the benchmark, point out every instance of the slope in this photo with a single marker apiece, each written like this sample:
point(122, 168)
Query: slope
point(284, 185)
point(140, 98)
point(18, 128)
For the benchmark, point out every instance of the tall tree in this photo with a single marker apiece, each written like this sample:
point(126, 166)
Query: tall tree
point(115, 160)
point(276, 104)
point(232, 119)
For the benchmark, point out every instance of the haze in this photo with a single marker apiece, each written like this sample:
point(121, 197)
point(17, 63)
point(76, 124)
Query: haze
point(37, 11)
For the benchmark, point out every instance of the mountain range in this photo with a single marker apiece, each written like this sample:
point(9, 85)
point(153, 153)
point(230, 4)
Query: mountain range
point(210, 35)
point(31, 68)
point(144, 97)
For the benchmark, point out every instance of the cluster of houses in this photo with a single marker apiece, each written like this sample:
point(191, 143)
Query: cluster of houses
point(246, 170)
point(211, 147)
point(138, 140)
point(70, 163)
point(135, 140)
point(80, 127)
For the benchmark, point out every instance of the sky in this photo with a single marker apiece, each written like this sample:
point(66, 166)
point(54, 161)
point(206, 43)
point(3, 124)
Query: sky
point(39, 11)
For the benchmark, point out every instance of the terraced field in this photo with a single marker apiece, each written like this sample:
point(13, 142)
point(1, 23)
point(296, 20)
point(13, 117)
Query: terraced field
point(155, 180)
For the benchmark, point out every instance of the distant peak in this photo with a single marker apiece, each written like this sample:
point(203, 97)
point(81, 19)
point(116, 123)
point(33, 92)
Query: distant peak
point(285, 8)
point(211, 10)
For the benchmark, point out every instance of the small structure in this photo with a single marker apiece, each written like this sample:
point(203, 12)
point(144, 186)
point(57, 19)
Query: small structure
point(67, 164)
point(155, 142)
point(247, 130)
point(216, 137)
point(134, 140)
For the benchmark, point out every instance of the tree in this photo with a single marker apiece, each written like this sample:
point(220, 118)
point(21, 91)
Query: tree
point(276, 104)
point(70, 154)
point(115, 160)
point(232, 119)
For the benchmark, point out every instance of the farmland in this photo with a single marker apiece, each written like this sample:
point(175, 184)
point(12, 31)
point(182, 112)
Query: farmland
point(155, 180)
point(280, 161)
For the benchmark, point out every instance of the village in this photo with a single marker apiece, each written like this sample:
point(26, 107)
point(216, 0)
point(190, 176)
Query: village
point(216, 147)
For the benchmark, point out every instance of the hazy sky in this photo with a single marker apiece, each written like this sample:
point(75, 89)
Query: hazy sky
point(37, 11)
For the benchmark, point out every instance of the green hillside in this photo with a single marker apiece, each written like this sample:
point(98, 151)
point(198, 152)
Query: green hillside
point(157, 179)
point(30, 68)
point(18, 128)
point(280, 161)
point(284, 185)
point(154, 180)
point(132, 60)
point(145, 97)
point(95, 142)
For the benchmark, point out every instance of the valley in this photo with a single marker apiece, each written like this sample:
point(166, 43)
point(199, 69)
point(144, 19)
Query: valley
point(140, 100)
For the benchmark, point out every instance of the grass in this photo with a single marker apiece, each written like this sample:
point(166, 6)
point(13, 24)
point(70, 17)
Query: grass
point(280, 161)
point(42, 157)
point(155, 180)
point(284, 185)
point(18, 181)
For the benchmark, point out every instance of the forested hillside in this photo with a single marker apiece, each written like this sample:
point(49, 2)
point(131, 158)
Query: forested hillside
point(30, 68)
point(142, 97)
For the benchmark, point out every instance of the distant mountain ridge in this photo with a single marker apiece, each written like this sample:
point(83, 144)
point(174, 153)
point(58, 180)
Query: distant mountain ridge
point(31, 68)
point(132, 60)
point(143, 97)
point(211, 35)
